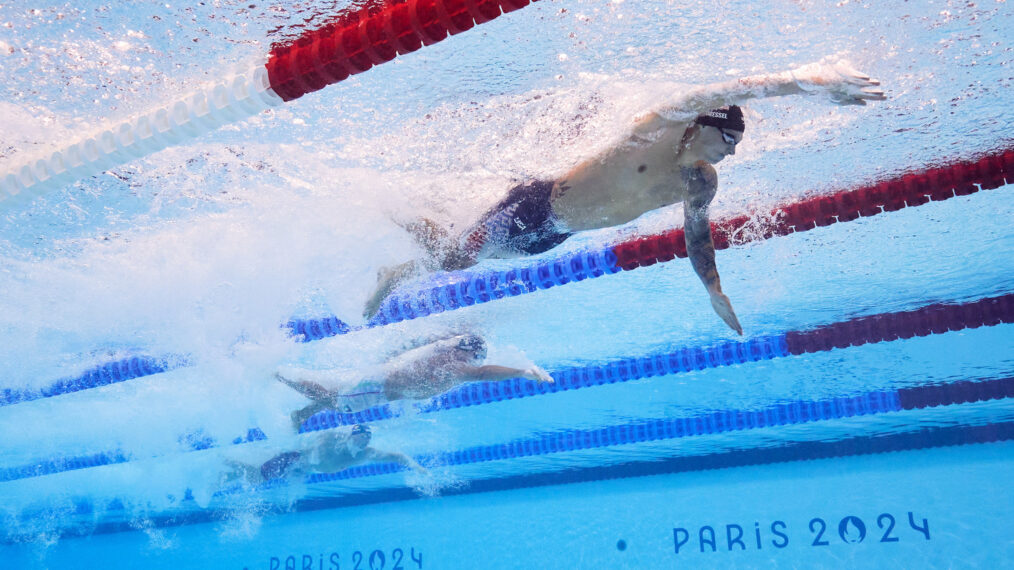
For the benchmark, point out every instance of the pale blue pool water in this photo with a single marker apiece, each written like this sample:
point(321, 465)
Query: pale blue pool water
point(205, 249)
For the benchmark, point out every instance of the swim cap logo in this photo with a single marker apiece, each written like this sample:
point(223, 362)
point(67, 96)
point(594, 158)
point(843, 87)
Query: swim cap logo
point(724, 118)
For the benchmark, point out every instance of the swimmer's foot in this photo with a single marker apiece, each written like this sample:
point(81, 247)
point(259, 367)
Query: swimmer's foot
point(285, 380)
point(388, 278)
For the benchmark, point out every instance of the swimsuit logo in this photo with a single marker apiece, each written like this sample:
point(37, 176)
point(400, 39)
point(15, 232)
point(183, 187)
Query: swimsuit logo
point(519, 223)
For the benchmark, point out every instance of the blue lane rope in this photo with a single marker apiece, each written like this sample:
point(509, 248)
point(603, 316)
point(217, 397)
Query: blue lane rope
point(102, 375)
point(794, 412)
point(446, 291)
point(924, 438)
point(787, 413)
point(459, 289)
point(476, 393)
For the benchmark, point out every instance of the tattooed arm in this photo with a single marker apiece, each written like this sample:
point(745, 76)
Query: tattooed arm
point(702, 183)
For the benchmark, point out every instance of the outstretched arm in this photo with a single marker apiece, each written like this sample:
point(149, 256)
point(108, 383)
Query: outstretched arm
point(702, 183)
point(378, 455)
point(843, 84)
point(493, 372)
point(420, 341)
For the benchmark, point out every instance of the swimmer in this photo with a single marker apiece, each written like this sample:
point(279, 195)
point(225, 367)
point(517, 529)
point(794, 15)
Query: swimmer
point(668, 157)
point(331, 452)
point(425, 369)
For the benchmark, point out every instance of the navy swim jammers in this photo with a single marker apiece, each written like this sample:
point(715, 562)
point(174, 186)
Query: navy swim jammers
point(522, 223)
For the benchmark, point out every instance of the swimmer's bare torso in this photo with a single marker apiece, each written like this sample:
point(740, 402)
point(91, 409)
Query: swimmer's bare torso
point(639, 176)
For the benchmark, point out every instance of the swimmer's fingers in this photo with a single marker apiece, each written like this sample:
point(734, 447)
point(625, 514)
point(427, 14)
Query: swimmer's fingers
point(844, 84)
point(854, 77)
point(873, 95)
point(855, 87)
point(857, 96)
point(539, 375)
point(723, 307)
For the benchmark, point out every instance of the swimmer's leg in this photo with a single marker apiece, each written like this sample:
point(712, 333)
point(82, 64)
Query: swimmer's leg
point(323, 399)
point(442, 254)
point(301, 415)
point(311, 390)
point(428, 234)
point(388, 279)
point(249, 474)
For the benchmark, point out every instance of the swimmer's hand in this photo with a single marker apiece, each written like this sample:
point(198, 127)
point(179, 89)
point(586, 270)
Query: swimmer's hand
point(537, 374)
point(843, 83)
point(723, 306)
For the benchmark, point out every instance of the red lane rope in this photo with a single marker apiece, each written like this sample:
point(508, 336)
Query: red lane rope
point(912, 189)
point(371, 36)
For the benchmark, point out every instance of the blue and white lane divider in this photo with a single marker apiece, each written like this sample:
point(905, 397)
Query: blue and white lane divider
point(785, 413)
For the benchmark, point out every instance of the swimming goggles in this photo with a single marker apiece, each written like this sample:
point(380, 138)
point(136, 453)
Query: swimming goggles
point(729, 139)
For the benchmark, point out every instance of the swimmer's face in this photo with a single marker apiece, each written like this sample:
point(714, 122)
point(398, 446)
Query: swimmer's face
point(359, 442)
point(714, 143)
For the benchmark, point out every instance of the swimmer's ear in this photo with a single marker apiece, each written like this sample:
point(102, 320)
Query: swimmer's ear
point(690, 134)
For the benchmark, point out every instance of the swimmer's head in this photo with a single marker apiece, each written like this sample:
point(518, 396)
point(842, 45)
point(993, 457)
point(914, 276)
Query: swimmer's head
point(360, 437)
point(717, 133)
point(728, 118)
point(473, 344)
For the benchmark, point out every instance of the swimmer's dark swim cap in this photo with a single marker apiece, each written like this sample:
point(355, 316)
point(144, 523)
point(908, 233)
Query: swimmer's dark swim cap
point(361, 428)
point(730, 117)
point(472, 343)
